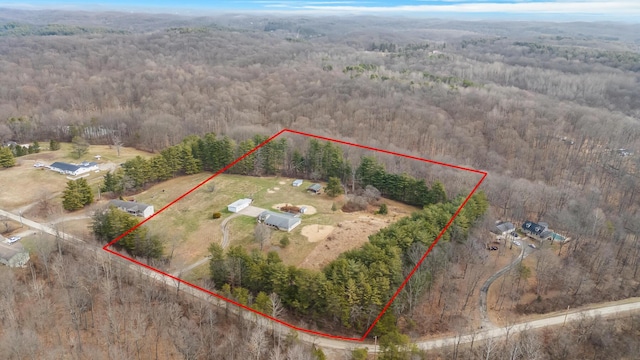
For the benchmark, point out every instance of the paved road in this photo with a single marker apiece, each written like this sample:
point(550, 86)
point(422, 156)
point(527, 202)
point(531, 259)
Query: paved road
point(40, 227)
point(610, 310)
point(486, 322)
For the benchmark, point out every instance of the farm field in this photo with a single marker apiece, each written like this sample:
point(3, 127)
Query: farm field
point(188, 228)
point(24, 184)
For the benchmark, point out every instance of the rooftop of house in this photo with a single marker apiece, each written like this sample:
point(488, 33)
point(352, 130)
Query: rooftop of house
point(64, 166)
point(281, 220)
point(129, 205)
point(537, 229)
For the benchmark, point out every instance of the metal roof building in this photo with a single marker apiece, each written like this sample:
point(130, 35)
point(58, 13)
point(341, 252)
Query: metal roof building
point(280, 221)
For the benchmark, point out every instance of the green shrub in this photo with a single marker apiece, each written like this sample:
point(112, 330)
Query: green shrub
point(217, 215)
point(284, 242)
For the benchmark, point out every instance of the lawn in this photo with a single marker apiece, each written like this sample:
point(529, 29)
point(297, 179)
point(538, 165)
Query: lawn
point(187, 227)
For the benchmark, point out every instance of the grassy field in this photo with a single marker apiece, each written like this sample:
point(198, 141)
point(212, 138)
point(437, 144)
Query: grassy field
point(24, 184)
point(187, 227)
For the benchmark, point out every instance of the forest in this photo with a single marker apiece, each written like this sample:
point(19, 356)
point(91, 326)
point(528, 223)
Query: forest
point(544, 108)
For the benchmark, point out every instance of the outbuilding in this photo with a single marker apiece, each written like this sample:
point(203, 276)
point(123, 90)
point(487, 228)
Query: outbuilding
point(297, 182)
point(315, 188)
point(239, 205)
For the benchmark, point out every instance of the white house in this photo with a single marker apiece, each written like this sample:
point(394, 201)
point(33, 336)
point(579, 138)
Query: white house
point(297, 182)
point(133, 208)
point(73, 169)
point(238, 205)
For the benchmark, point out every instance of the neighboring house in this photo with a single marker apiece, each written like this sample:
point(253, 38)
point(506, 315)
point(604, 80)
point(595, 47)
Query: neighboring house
point(297, 182)
point(280, 221)
point(538, 231)
point(503, 228)
point(13, 255)
point(73, 169)
point(239, 205)
point(315, 188)
point(133, 208)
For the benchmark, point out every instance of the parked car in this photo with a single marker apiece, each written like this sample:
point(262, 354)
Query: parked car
point(514, 234)
point(532, 246)
point(14, 239)
point(516, 243)
point(492, 248)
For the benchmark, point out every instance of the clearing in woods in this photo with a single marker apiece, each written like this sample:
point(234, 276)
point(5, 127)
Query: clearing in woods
point(25, 184)
point(188, 226)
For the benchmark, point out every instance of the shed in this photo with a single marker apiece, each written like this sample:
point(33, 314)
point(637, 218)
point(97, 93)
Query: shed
point(280, 221)
point(315, 188)
point(239, 205)
point(297, 182)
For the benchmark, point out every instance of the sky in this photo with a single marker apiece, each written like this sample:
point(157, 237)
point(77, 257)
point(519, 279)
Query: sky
point(567, 10)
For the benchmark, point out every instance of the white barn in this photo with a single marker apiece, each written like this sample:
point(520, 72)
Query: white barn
point(239, 205)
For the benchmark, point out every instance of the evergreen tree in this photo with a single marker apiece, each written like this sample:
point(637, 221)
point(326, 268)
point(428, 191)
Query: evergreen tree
point(112, 183)
point(334, 188)
point(108, 225)
point(437, 193)
point(85, 191)
point(72, 197)
point(6, 157)
point(54, 145)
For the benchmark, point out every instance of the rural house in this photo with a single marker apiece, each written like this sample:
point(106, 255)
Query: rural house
point(133, 208)
point(13, 255)
point(280, 221)
point(315, 188)
point(239, 205)
point(297, 182)
point(73, 169)
point(503, 228)
point(537, 231)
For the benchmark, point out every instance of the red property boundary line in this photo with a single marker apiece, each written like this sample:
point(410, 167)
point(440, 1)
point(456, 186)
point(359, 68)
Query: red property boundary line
point(475, 188)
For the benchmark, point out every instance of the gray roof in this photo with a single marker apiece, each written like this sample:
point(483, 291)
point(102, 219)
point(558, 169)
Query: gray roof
point(505, 226)
point(64, 166)
point(9, 251)
point(279, 220)
point(129, 205)
point(536, 229)
point(315, 187)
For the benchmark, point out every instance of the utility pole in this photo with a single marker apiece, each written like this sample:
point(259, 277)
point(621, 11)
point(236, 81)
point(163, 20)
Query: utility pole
point(565, 315)
point(21, 219)
point(375, 347)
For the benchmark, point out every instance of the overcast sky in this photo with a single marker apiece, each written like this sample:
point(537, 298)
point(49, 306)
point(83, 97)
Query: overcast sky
point(567, 10)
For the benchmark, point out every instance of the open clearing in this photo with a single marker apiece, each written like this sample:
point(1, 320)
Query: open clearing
point(315, 232)
point(24, 184)
point(187, 227)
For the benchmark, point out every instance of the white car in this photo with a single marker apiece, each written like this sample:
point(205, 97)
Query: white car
point(516, 243)
point(14, 239)
point(532, 246)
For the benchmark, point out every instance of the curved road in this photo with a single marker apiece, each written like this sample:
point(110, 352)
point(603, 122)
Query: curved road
point(614, 309)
